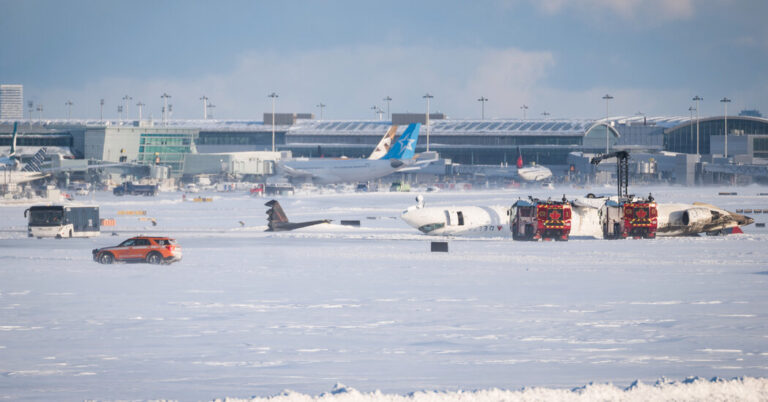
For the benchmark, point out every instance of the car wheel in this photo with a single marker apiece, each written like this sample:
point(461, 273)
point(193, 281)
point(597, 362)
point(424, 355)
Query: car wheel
point(106, 258)
point(154, 258)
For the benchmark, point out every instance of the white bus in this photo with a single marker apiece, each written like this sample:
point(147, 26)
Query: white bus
point(62, 221)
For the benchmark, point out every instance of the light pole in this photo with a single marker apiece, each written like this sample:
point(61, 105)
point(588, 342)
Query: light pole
point(40, 112)
point(165, 97)
point(126, 100)
point(545, 114)
point(427, 97)
point(205, 107)
point(140, 105)
point(726, 101)
point(482, 101)
point(211, 106)
point(691, 109)
point(524, 108)
point(388, 99)
point(69, 104)
point(31, 107)
point(274, 97)
point(607, 129)
point(321, 105)
point(120, 113)
point(697, 98)
point(101, 110)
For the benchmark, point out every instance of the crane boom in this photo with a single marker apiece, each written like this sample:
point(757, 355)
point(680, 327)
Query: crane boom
point(622, 170)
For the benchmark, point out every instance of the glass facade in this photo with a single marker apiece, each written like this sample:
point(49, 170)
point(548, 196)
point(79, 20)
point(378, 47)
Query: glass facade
point(258, 138)
point(48, 140)
point(165, 149)
point(683, 137)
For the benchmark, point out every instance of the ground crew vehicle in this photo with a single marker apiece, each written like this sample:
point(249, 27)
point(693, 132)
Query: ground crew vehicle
point(128, 188)
point(541, 220)
point(150, 249)
point(62, 221)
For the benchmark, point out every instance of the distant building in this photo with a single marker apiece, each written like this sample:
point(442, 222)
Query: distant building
point(11, 101)
point(750, 113)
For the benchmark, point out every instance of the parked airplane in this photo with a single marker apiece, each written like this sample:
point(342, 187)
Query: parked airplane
point(325, 171)
point(11, 175)
point(278, 221)
point(532, 172)
point(11, 159)
point(673, 219)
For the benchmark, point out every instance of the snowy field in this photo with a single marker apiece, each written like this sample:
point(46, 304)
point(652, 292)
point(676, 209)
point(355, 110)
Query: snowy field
point(249, 313)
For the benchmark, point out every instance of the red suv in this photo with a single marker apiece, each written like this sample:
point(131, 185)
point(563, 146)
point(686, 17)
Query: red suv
point(151, 249)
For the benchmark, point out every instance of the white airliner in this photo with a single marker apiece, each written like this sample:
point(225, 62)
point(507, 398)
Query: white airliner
point(673, 219)
point(400, 157)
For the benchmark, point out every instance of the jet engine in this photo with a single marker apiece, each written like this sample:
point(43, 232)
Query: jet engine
point(697, 217)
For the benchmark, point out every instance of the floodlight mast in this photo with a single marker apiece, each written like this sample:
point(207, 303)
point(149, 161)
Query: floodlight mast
point(697, 98)
point(607, 98)
point(321, 105)
point(126, 100)
point(482, 101)
point(205, 107)
point(101, 110)
point(140, 105)
point(69, 104)
point(387, 99)
point(524, 108)
point(725, 102)
point(165, 97)
point(428, 96)
point(274, 97)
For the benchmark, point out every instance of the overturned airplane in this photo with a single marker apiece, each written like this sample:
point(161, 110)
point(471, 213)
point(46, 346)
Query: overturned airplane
point(278, 221)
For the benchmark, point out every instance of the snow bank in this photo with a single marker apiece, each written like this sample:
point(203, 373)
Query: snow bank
point(691, 389)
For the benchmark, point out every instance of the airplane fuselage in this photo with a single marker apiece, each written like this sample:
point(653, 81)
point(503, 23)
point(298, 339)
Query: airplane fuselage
point(587, 219)
point(328, 171)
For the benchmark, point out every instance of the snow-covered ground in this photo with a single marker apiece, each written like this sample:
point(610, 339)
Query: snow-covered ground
point(249, 313)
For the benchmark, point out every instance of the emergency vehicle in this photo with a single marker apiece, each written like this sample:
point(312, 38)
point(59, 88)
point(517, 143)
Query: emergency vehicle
point(636, 218)
point(541, 220)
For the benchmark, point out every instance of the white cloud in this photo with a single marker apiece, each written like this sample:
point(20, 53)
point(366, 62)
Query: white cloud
point(348, 80)
point(626, 9)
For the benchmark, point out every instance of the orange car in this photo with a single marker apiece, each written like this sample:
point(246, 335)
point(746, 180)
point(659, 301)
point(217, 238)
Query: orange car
point(151, 249)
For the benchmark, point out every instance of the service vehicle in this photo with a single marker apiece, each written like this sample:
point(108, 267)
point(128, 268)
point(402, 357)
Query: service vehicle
point(540, 220)
point(150, 249)
point(62, 221)
point(128, 188)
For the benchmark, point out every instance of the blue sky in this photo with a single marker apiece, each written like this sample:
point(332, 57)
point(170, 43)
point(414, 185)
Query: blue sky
point(558, 56)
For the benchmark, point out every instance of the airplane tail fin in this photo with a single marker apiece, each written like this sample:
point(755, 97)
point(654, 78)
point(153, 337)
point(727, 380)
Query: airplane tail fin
point(12, 155)
point(385, 144)
point(275, 213)
point(36, 163)
point(405, 147)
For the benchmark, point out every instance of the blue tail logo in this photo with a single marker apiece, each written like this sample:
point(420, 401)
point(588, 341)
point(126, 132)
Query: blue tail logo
point(405, 147)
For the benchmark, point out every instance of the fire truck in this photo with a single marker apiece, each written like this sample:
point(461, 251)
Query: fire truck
point(636, 218)
point(541, 220)
point(628, 216)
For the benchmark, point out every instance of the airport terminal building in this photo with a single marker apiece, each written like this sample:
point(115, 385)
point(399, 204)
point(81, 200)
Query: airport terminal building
point(468, 142)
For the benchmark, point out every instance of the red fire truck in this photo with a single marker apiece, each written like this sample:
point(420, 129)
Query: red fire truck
point(635, 218)
point(541, 220)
